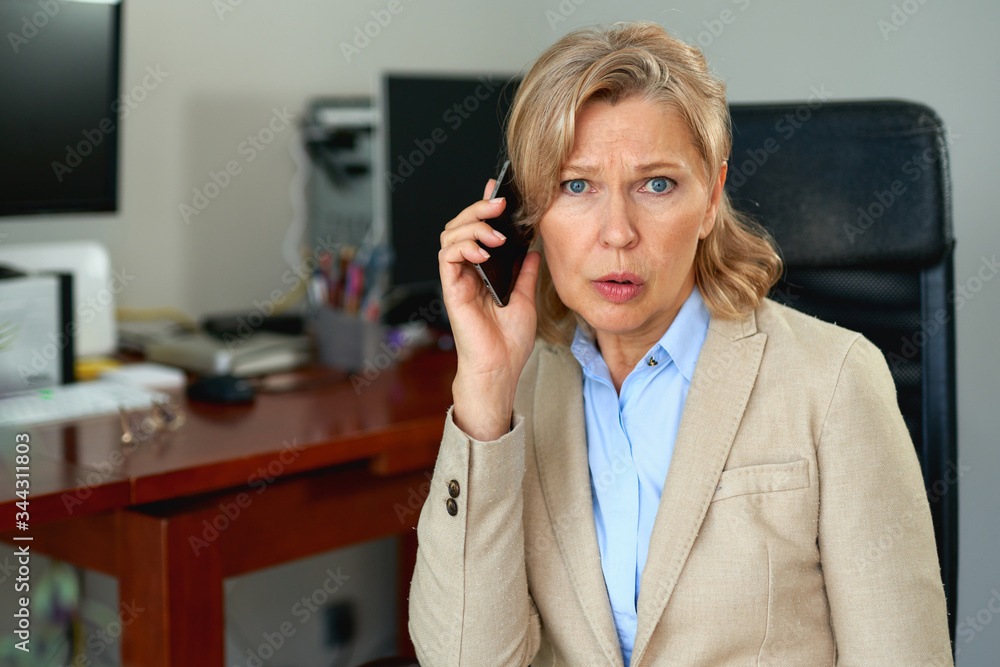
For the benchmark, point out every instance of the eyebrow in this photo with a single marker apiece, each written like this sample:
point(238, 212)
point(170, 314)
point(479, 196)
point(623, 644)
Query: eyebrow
point(587, 169)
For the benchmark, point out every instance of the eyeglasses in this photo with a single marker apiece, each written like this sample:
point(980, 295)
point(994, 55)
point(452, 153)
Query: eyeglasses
point(137, 427)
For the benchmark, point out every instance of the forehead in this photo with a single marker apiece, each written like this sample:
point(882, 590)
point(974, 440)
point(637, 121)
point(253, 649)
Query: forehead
point(631, 133)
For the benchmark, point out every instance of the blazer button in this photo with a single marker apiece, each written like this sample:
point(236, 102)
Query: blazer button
point(453, 488)
point(452, 506)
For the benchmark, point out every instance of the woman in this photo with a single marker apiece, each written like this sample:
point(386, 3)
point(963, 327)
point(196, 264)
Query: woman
point(647, 462)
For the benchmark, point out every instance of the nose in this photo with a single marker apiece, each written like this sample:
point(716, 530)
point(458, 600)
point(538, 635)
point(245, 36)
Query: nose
point(618, 228)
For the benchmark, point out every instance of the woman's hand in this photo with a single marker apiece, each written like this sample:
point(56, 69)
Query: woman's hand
point(493, 343)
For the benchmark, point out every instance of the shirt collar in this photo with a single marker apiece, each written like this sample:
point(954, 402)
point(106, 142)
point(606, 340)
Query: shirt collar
point(681, 342)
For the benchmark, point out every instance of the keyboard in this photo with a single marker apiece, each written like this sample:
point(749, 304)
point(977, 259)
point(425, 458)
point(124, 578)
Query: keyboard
point(74, 401)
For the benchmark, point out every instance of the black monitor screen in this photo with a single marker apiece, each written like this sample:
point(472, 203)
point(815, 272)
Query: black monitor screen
point(60, 108)
point(444, 141)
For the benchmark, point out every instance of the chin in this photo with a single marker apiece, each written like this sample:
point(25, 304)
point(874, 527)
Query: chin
point(615, 318)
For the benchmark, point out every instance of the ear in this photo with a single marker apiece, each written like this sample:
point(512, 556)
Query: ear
point(708, 222)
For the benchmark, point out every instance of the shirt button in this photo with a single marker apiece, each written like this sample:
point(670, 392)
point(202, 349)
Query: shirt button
point(452, 506)
point(453, 488)
point(651, 362)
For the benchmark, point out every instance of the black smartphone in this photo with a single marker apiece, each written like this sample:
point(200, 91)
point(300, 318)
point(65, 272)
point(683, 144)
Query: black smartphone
point(500, 271)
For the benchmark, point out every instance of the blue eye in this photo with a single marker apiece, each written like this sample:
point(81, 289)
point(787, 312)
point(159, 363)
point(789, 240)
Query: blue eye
point(576, 186)
point(658, 184)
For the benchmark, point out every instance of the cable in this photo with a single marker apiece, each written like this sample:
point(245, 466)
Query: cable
point(297, 194)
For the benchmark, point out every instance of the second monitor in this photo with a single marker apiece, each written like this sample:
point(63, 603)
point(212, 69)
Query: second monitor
point(443, 140)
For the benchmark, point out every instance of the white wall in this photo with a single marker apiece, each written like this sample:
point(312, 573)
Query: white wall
point(226, 74)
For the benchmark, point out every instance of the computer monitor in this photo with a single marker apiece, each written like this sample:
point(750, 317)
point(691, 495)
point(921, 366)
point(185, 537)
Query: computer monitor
point(442, 140)
point(59, 72)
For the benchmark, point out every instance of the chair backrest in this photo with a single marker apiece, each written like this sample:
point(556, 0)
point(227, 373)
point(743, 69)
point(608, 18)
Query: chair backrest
point(857, 195)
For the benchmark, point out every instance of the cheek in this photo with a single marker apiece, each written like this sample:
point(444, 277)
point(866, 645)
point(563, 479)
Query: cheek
point(559, 267)
point(564, 266)
point(675, 246)
point(563, 247)
point(682, 227)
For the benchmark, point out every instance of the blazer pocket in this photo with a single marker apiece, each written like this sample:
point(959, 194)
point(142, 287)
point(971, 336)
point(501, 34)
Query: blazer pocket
point(763, 478)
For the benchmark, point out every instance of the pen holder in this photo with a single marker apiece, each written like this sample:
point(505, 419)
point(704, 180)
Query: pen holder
point(345, 341)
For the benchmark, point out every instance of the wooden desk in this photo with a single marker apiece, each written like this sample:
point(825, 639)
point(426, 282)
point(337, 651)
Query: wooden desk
point(235, 490)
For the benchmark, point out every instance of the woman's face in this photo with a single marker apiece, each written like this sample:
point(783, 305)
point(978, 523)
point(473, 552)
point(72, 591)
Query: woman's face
point(621, 233)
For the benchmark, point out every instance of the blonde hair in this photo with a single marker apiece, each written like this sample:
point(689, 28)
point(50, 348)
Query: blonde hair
point(737, 263)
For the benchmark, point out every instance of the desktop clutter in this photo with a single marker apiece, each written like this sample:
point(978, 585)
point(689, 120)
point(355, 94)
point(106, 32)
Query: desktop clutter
point(345, 299)
point(57, 365)
point(57, 327)
point(232, 357)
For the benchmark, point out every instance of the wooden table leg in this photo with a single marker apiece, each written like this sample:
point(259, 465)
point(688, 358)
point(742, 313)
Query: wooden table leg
point(172, 558)
point(176, 590)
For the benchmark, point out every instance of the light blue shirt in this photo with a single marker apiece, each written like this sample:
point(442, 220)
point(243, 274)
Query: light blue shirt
point(630, 440)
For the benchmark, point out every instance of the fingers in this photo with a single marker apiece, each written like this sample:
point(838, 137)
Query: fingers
point(524, 288)
point(477, 229)
point(481, 210)
point(490, 187)
point(467, 250)
point(470, 224)
point(459, 238)
point(454, 265)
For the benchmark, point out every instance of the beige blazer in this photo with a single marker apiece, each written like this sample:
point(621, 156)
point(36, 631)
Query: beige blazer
point(793, 528)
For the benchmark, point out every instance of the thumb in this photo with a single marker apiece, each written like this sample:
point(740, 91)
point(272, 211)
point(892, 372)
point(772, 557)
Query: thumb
point(524, 288)
point(490, 186)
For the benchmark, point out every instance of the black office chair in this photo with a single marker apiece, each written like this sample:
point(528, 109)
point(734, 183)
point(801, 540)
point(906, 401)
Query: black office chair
point(857, 195)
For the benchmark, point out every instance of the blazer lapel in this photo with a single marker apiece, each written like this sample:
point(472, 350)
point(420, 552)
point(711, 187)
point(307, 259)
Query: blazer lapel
point(560, 437)
point(720, 388)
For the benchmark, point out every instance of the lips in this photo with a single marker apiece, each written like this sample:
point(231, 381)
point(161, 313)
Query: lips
point(619, 287)
point(621, 277)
